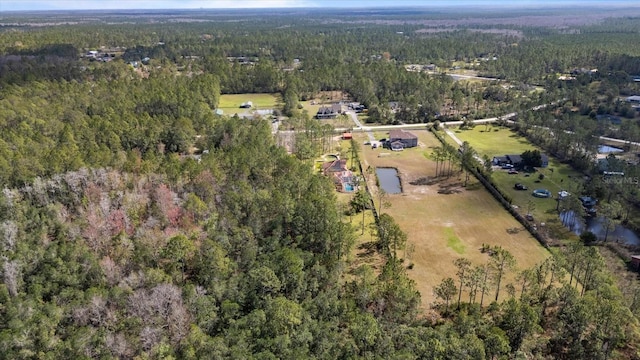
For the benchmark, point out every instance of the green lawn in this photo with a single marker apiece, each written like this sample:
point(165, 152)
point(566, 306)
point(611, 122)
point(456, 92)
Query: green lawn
point(311, 109)
point(498, 141)
point(230, 103)
point(494, 141)
point(454, 242)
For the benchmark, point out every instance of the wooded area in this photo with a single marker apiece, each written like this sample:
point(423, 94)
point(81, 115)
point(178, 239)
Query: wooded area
point(135, 222)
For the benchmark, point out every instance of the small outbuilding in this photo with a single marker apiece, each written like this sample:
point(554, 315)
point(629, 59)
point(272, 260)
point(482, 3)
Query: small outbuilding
point(516, 160)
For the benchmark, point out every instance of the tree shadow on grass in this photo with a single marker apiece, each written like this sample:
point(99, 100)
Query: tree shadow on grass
point(452, 188)
point(515, 230)
point(426, 181)
point(474, 186)
point(369, 248)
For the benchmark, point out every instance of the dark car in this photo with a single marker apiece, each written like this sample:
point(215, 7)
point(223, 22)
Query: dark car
point(519, 186)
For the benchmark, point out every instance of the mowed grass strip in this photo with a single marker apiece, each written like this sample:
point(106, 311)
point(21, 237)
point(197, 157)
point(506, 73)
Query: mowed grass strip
point(454, 242)
point(230, 103)
point(429, 217)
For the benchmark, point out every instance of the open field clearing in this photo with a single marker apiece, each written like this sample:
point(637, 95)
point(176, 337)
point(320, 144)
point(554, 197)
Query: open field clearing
point(445, 221)
point(311, 106)
point(230, 103)
point(493, 140)
point(499, 141)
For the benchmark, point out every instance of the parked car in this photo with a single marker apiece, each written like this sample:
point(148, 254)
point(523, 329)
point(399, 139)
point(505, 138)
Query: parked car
point(529, 217)
point(512, 171)
point(519, 186)
point(507, 166)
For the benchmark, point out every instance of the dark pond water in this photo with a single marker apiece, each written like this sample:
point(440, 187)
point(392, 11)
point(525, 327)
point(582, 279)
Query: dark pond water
point(606, 149)
point(389, 180)
point(596, 225)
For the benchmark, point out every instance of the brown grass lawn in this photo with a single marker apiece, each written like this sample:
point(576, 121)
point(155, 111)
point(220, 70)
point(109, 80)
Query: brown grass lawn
point(445, 227)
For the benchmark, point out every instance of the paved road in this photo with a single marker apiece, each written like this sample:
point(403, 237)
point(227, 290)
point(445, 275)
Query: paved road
point(482, 121)
point(360, 128)
point(619, 141)
point(460, 77)
point(369, 129)
point(356, 121)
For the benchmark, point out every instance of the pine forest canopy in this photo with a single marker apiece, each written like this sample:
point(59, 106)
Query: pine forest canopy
point(135, 222)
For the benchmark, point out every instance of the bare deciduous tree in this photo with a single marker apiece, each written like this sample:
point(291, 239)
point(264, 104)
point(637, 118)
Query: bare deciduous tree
point(10, 275)
point(9, 232)
point(161, 307)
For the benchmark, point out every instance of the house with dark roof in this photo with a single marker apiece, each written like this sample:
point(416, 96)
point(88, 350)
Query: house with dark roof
point(516, 160)
point(329, 112)
point(500, 160)
point(407, 139)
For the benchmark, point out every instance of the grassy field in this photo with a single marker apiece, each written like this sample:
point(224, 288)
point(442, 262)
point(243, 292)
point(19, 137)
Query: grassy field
point(230, 103)
point(445, 225)
point(494, 141)
point(311, 107)
point(498, 141)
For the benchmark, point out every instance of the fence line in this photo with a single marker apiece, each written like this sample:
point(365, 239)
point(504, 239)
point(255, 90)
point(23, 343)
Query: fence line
point(502, 198)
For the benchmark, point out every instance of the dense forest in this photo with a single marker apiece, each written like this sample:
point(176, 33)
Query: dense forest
point(135, 222)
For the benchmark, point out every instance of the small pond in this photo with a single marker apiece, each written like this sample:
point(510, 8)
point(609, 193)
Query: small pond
point(606, 149)
point(389, 180)
point(595, 225)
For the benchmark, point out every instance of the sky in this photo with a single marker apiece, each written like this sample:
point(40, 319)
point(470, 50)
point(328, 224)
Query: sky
point(16, 5)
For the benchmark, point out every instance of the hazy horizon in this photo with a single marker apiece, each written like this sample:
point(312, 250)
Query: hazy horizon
point(53, 5)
